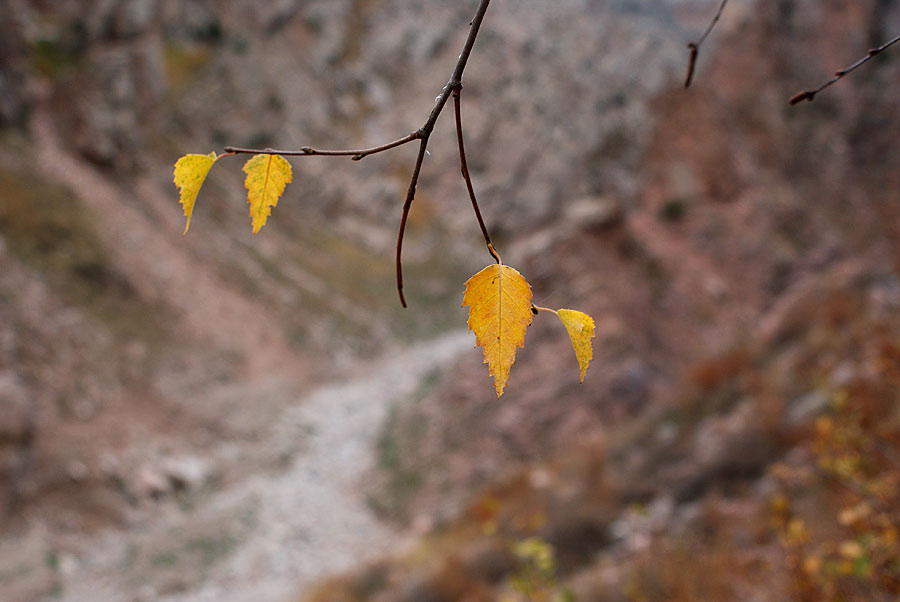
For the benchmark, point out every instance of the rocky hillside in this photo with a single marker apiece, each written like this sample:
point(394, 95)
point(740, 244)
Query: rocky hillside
point(738, 256)
point(747, 283)
point(98, 100)
point(742, 204)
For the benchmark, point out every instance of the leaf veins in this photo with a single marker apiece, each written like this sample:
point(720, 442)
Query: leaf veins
point(267, 175)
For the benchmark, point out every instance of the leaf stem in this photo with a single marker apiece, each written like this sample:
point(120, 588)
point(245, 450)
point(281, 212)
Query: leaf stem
point(537, 308)
point(494, 253)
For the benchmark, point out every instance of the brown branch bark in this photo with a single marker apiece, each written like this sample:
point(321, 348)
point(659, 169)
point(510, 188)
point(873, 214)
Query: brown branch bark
point(694, 47)
point(838, 75)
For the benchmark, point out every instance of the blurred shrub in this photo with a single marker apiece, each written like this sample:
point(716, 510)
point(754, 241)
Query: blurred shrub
point(842, 544)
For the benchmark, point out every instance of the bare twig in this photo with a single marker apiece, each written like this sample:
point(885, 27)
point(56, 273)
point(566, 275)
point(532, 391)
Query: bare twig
point(356, 154)
point(695, 46)
point(811, 94)
point(410, 195)
point(464, 168)
point(452, 84)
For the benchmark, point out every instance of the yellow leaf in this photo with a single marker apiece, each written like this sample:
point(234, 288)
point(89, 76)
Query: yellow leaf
point(580, 327)
point(190, 172)
point(499, 301)
point(267, 175)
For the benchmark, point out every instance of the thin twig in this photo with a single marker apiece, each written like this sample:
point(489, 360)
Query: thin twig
point(695, 46)
point(410, 195)
point(811, 94)
point(464, 168)
point(455, 80)
point(356, 154)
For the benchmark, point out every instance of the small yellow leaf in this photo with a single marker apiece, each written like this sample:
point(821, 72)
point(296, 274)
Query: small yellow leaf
point(190, 172)
point(580, 327)
point(267, 175)
point(499, 301)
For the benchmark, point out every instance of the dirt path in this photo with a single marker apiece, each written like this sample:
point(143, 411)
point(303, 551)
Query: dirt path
point(278, 503)
point(269, 535)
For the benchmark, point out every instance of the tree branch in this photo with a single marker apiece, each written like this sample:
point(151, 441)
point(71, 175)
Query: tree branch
point(695, 46)
point(454, 82)
point(811, 94)
point(464, 168)
point(422, 134)
point(410, 195)
point(356, 154)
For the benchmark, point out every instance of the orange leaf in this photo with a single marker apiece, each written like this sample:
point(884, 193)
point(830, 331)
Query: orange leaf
point(499, 301)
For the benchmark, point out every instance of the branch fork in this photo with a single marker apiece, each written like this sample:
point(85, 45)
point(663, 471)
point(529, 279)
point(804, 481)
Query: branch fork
point(453, 88)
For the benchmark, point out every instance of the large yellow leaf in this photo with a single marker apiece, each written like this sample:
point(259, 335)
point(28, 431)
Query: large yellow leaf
point(580, 327)
point(190, 172)
point(499, 301)
point(267, 175)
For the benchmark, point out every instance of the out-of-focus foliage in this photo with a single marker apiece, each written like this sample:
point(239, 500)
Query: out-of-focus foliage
point(535, 578)
point(850, 551)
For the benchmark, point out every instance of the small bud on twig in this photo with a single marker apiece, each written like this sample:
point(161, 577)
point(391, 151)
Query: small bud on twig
point(695, 46)
point(810, 94)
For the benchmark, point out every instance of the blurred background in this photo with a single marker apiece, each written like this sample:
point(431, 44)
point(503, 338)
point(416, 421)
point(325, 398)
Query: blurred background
point(226, 417)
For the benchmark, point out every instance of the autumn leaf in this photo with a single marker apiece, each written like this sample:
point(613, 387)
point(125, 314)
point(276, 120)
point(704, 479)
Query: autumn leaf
point(190, 172)
point(499, 301)
point(267, 175)
point(580, 327)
